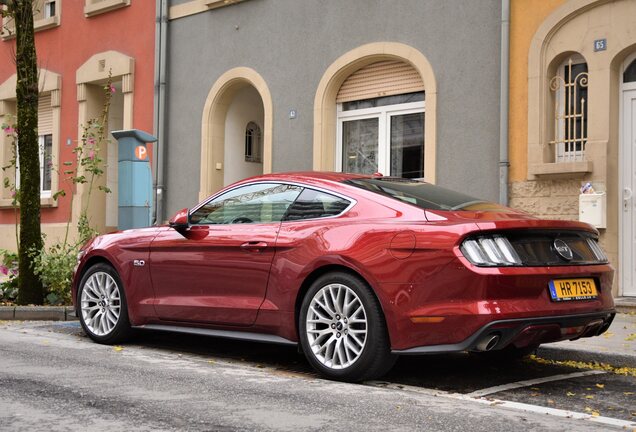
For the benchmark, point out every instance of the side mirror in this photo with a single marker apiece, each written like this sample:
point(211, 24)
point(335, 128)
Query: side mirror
point(180, 221)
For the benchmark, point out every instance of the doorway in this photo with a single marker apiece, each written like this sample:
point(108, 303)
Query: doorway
point(627, 158)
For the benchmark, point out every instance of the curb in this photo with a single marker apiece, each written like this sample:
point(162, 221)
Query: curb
point(625, 304)
point(37, 313)
point(570, 354)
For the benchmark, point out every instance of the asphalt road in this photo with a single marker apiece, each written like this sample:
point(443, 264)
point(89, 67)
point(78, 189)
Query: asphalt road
point(54, 378)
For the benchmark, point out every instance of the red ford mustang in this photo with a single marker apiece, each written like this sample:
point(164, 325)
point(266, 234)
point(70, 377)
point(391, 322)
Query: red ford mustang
point(356, 269)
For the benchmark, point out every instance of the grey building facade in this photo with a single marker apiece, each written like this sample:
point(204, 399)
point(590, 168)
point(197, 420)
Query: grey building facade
point(403, 87)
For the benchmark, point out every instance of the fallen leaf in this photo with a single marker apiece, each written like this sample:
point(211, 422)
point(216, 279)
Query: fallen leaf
point(628, 393)
point(398, 407)
point(596, 413)
point(211, 361)
point(118, 348)
point(600, 385)
point(550, 401)
point(608, 335)
point(589, 397)
point(588, 409)
point(630, 371)
point(570, 394)
point(535, 388)
point(631, 337)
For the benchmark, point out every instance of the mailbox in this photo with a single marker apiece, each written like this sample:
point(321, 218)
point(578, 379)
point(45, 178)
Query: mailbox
point(134, 179)
point(593, 209)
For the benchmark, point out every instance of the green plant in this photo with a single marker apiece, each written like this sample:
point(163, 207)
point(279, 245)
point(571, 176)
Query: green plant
point(9, 275)
point(55, 264)
point(10, 173)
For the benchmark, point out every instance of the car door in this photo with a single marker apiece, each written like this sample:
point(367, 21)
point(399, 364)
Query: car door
point(217, 270)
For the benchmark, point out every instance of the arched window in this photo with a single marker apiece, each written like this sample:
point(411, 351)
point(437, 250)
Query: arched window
point(569, 87)
point(253, 150)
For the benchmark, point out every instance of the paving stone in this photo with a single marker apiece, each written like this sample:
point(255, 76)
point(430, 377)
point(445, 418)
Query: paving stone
point(70, 313)
point(6, 312)
point(52, 313)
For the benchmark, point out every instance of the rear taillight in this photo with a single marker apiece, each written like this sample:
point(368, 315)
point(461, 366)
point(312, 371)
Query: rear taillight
point(597, 250)
point(532, 248)
point(490, 250)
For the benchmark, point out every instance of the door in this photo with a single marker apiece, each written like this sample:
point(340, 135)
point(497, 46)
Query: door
point(628, 186)
point(217, 271)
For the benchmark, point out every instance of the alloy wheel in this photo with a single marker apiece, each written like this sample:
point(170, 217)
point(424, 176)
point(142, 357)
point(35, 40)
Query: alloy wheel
point(100, 303)
point(336, 326)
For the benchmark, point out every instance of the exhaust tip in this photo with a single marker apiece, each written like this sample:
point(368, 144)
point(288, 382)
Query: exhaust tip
point(487, 343)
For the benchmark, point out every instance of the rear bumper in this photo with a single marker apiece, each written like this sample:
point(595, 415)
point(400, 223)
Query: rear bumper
point(450, 306)
point(523, 332)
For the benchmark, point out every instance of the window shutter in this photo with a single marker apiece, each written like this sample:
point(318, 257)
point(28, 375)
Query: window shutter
point(379, 79)
point(45, 115)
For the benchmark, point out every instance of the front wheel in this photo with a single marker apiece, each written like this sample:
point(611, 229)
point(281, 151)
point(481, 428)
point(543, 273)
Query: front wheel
point(342, 329)
point(103, 311)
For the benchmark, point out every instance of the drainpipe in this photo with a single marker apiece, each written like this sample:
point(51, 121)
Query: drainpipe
point(504, 164)
point(161, 32)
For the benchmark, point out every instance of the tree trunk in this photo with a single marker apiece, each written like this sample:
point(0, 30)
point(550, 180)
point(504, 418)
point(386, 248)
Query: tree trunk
point(30, 287)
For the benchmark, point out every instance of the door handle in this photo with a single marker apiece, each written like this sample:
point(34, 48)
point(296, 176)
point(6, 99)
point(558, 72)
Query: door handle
point(627, 195)
point(254, 246)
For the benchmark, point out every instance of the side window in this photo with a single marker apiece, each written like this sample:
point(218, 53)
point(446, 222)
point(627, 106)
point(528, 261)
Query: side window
point(256, 203)
point(312, 204)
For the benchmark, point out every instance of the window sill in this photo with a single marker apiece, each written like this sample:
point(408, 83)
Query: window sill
point(561, 170)
point(92, 9)
point(213, 4)
point(7, 203)
point(41, 24)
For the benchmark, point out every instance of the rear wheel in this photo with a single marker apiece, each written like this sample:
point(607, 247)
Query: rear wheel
point(103, 311)
point(342, 329)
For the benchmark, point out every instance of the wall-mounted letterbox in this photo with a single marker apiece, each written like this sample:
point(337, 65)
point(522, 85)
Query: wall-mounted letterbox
point(593, 209)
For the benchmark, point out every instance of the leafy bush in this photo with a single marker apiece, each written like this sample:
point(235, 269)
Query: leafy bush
point(55, 266)
point(9, 276)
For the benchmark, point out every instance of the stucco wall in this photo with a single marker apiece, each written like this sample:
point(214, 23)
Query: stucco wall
point(525, 18)
point(245, 107)
point(291, 43)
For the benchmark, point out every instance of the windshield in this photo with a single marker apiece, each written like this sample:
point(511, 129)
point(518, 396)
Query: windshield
point(423, 195)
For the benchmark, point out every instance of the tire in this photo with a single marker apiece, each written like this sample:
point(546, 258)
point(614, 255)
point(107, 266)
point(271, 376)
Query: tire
point(102, 308)
point(342, 329)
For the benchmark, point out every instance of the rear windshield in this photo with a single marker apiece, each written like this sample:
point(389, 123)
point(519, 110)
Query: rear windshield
point(423, 195)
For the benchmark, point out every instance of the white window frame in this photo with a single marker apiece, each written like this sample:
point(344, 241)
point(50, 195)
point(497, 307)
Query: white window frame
point(256, 147)
point(43, 193)
point(383, 114)
point(560, 153)
point(47, 8)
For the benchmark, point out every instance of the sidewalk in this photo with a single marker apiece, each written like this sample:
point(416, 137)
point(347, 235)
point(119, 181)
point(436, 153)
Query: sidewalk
point(617, 346)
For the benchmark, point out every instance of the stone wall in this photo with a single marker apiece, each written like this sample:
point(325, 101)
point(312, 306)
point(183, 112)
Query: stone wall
point(551, 199)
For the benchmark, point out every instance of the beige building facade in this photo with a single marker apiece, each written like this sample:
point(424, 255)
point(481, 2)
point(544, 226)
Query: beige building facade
point(573, 119)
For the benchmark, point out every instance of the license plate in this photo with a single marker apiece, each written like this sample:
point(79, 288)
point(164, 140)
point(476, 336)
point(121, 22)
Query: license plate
point(573, 289)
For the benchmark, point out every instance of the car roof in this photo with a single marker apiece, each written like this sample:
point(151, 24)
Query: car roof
point(313, 175)
point(327, 179)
